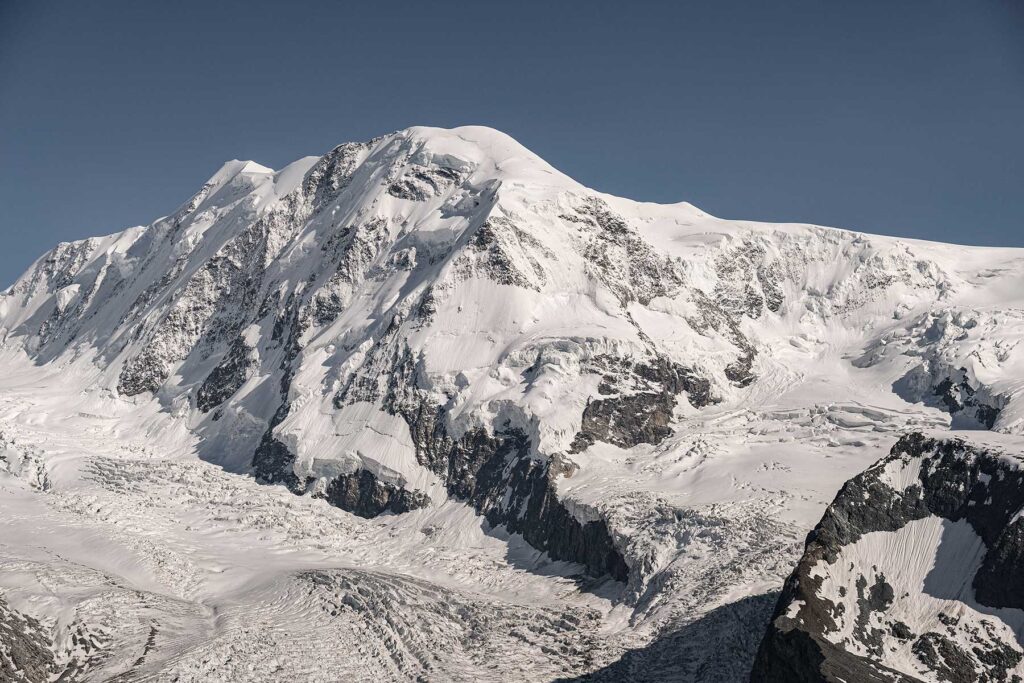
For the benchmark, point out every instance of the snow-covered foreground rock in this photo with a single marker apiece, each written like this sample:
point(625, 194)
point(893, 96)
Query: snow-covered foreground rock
point(535, 431)
point(914, 573)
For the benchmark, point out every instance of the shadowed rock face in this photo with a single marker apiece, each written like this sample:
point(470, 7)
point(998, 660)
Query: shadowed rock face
point(958, 397)
point(956, 482)
point(496, 473)
point(498, 476)
point(227, 378)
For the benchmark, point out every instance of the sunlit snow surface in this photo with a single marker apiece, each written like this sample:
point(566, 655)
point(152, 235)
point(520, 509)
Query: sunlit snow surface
point(132, 532)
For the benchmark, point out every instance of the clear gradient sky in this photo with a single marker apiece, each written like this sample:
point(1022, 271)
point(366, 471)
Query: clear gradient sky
point(899, 117)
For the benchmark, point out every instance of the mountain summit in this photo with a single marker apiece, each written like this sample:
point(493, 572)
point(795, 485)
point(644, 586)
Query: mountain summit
point(440, 333)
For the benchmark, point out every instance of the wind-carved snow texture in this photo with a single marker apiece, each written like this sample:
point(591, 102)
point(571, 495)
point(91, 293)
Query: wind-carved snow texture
point(516, 385)
point(913, 573)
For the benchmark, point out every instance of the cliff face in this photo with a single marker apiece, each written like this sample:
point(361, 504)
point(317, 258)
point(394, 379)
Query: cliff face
point(914, 573)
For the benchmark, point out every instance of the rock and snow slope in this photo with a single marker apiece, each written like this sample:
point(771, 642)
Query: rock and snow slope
point(914, 573)
point(441, 334)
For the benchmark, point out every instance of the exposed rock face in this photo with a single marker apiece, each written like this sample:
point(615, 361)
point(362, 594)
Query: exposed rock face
point(495, 472)
point(840, 618)
point(363, 494)
point(272, 464)
point(422, 182)
point(628, 265)
point(959, 397)
point(214, 304)
point(334, 171)
point(750, 281)
point(638, 402)
point(227, 378)
point(502, 252)
point(25, 649)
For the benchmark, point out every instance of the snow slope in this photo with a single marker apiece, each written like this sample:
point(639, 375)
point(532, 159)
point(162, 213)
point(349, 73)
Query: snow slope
point(481, 378)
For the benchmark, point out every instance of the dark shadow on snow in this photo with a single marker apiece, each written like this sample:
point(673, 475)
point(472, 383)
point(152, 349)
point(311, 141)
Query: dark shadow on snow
point(717, 648)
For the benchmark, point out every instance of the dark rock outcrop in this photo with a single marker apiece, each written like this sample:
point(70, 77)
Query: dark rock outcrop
point(25, 649)
point(363, 494)
point(333, 172)
point(957, 395)
point(970, 404)
point(227, 378)
point(502, 479)
point(621, 258)
point(272, 463)
point(422, 182)
point(641, 397)
point(495, 472)
point(503, 252)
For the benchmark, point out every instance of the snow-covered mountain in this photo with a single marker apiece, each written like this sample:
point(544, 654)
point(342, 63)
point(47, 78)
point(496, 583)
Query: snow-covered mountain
point(572, 428)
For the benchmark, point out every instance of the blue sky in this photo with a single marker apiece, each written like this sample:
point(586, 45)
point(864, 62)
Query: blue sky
point(901, 117)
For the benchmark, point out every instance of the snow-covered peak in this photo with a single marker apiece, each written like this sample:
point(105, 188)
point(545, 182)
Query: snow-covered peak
point(231, 170)
point(496, 153)
point(469, 219)
point(436, 323)
point(292, 175)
